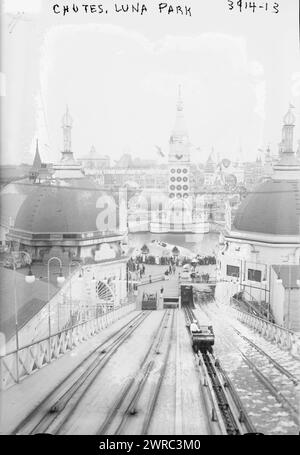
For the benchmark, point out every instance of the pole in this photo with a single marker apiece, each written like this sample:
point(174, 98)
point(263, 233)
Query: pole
point(16, 322)
point(71, 304)
point(289, 299)
point(49, 303)
point(49, 313)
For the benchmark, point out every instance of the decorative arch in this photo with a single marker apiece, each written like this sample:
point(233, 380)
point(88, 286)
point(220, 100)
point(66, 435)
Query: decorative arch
point(105, 293)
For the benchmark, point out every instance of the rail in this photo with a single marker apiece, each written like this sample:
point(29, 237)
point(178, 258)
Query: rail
point(30, 358)
point(284, 338)
point(152, 279)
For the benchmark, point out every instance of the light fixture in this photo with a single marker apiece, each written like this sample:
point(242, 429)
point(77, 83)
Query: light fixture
point(298, 283)
point(264, 282)
point(279, 280)
point(30, 278)
point(60, 278)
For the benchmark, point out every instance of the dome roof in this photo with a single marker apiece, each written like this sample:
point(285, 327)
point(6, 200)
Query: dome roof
point(273, 208)
point(64, 209)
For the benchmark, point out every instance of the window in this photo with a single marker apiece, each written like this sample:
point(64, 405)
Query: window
point(254, 275)
point(233, 270)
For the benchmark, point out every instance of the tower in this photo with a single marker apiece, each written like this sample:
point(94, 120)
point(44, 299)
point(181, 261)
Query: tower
point(179, 156)
point(180, 213)
point(68, 167)
point(288, 131)
point(180, 200)
point(288, 165)
point(67, 123)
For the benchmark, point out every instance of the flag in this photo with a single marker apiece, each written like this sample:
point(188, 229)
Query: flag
point(159, 151)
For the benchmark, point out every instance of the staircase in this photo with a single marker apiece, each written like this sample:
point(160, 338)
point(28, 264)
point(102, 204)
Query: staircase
point(171, 293)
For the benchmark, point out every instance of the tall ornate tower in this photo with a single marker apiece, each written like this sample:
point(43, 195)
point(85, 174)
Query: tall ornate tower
point(68, 167)
point(179, 157)
point(288, 165)
point(288, 131)
point(180, 212)
point(67, 123)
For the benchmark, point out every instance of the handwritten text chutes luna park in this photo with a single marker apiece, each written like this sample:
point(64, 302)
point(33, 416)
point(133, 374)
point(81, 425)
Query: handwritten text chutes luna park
point(137, 8)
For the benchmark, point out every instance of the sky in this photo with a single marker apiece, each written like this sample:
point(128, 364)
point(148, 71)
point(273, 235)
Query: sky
point(119, 75)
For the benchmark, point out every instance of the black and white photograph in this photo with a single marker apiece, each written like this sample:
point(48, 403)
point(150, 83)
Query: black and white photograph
point(150, 221)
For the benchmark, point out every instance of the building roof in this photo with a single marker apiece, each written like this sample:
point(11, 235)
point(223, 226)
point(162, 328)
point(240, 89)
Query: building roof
point(289, 274)
point(30, 298)
point(273, 208)
point(64, 209)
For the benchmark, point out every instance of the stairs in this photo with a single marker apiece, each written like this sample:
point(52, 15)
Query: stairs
point(171, 293)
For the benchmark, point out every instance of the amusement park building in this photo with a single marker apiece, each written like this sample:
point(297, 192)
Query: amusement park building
point(264, 237)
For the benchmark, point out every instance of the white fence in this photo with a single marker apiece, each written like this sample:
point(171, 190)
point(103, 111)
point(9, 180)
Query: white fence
point(15, 365)
point(284, 338)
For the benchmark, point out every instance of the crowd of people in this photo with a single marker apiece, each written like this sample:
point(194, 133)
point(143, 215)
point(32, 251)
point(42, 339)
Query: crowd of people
point(171, 260)
point(137, 265)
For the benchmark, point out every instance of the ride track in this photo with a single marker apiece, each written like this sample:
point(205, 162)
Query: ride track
point(53, 412)
point(256, 371)
point(126, 406)
point(227, 408)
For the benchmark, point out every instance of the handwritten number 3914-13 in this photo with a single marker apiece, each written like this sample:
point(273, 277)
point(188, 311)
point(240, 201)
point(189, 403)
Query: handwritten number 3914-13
point(252, 5)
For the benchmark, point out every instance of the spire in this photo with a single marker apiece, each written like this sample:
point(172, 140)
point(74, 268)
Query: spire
point(67, 123)
point(288, 166)
point(179, 130)
point(288, 131)
point(37, 162)
point(179, 101)
point(179, 140)
point(289, 118)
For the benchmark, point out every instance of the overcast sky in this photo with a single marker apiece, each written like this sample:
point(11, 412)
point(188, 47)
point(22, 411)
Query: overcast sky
point(119, 76)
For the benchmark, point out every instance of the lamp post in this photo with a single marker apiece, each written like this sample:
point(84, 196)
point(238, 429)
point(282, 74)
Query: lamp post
point(60, 280)
point(77, 264)
point(290, 262)
point(30, 278)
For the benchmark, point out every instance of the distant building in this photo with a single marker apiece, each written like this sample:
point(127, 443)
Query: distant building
point(180, 210)
point(265, 232)
point(93, 163)
point(143, 178)
point(69, 215)
point(209, 171)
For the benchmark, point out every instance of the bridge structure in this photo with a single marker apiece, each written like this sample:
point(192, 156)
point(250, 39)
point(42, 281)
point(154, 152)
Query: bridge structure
point(72, 384)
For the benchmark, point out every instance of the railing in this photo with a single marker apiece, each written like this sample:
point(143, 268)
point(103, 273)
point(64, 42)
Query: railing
point(251, 304)
point(153, 279)
point(284, 338)
point(16, 365)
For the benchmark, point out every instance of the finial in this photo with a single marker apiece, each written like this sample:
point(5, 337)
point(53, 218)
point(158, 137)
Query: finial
point(289, 118)
point(67, 119)
point(179, 102)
